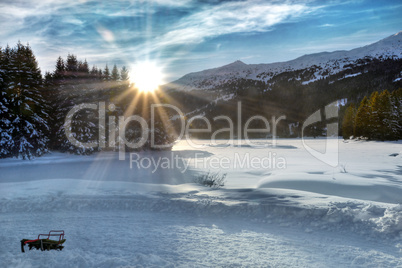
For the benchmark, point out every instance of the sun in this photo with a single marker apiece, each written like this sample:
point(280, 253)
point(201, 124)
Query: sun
point(146, 76)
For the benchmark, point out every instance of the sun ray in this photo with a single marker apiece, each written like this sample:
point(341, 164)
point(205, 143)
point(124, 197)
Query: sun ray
point(130, 109)
point(123, 95)
point(164, 115)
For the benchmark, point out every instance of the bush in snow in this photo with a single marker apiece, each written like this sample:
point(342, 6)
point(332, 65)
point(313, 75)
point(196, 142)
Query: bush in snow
point(212, 179)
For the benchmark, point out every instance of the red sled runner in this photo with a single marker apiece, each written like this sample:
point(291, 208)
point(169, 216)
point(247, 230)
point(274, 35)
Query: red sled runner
point(45, 243)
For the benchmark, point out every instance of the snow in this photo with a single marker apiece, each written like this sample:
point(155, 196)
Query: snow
point(287, 210)
point(342, 102)
point(332, 62)
point(352, 75)
point(311, 80)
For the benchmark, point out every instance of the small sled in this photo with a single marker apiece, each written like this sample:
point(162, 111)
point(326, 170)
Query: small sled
point(45, 243)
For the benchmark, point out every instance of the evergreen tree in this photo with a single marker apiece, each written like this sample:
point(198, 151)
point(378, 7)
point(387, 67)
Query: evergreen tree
point(362, 120)
point(384, 113)
point(72, 90)
point(383, 121)
point(348, 121)
point(106, 74)
point(100, 74)
point(124, 74)
point(115, 74)
point(376, 115)
point(27, 117)
point(72, 65)
point(83, 67)
point(396, 104)
point(59, 73)
point(6, 115)
point(5, 129)
point(389, 122)
point(94, 72)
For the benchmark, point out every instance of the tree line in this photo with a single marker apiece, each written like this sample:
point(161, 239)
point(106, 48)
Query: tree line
point(33, 108)
point(376, 117)
point(286, 94)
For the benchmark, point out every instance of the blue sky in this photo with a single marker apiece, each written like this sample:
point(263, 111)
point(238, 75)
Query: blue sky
point(184, 36)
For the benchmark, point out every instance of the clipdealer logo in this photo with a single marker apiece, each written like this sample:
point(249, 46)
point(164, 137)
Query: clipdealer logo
point(117, 130)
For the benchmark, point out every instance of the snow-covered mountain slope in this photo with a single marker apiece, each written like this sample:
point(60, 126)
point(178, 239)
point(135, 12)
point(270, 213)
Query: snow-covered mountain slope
point(324, 64)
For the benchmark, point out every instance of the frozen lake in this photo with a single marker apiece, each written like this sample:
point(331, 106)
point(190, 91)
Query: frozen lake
point(280, 207)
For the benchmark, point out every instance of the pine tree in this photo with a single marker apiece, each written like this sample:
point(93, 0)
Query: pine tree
point(94, 73)
point(362, 120)
point(376, 124)
point(383, 120)
point(348, 121)
point(100, 74)
point(396, 103)
point(59, 73)
point(124, 74)
point(5, 128)
point(83, 67)
point(26, 108)
point(389, 121)
point(115, 74)
point(72, 90)
point(72, 65)
point(58, 100)
point(106, 74)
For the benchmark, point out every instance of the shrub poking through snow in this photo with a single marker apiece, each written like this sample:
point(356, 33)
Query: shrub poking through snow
point(212, 179)
point(342, 168)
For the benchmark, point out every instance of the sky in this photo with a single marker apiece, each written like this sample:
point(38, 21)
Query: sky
point(183, 36)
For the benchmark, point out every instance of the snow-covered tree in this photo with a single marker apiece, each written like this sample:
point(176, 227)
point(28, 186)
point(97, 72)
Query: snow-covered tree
point(378, 117)
point(71, 88)
point(5, 124)
point(396, 100)
point(384, 118)
point(26, 119)
point(395, 114)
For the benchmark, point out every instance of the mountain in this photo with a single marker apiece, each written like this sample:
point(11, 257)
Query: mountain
point(322, 64)
point(292, 90)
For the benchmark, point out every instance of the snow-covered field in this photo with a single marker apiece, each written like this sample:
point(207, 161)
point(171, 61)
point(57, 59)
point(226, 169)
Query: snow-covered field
point(280, 207)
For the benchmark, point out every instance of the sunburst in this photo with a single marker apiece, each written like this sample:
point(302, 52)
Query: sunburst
point(146, 76)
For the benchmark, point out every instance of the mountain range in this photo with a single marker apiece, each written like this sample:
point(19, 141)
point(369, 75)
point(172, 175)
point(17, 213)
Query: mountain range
point(324, 63)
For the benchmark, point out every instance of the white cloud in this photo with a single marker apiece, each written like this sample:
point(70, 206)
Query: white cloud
point(206, 22)
point(231, 17)
point(73, 21)
point(171, 3)
point(327, 25)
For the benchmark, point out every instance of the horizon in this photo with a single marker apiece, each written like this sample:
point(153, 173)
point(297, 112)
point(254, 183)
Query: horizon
point(192, 36)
